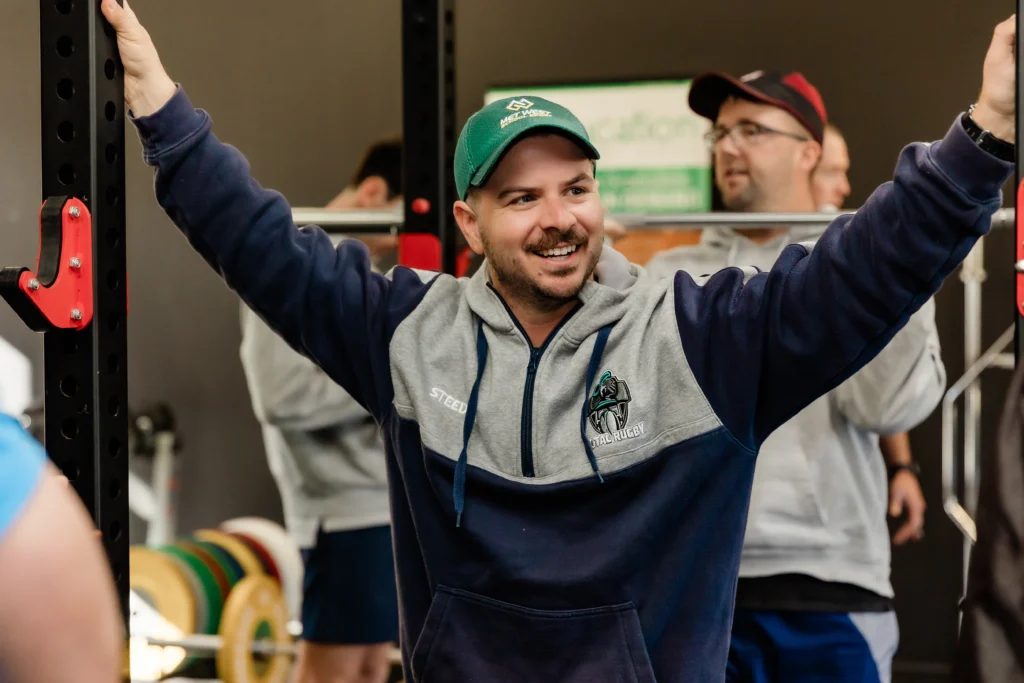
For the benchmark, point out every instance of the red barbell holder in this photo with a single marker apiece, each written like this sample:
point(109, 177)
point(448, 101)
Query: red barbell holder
point(59, 294)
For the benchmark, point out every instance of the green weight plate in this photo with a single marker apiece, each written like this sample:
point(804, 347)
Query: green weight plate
point(219, 573)
point(232, 569)
point(212, 593)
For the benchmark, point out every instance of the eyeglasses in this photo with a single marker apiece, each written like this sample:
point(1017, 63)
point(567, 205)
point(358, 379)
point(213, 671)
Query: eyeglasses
point(746, 134)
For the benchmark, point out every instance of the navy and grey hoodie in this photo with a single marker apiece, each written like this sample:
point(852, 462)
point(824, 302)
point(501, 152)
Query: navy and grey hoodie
point(575, 512)
point(820, 496)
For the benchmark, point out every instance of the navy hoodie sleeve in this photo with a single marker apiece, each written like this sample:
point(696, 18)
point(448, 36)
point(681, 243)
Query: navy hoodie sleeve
point(762, 348)
point(324, 301)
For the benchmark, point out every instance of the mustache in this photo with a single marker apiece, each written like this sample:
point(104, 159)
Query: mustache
point(570, 238)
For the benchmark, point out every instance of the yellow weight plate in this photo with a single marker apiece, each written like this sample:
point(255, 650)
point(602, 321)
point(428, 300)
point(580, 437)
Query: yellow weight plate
point(157, 580)
point(244, 555)
point(255, 610)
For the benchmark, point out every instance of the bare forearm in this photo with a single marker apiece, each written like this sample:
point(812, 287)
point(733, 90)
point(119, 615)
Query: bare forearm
point(896, 448)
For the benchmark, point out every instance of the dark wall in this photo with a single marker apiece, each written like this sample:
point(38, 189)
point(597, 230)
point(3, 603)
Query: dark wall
point(300, 87)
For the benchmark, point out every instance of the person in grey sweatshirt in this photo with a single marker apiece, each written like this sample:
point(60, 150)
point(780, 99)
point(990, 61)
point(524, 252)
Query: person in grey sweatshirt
point(814, 600)
point(830, 186)
point(326, 454)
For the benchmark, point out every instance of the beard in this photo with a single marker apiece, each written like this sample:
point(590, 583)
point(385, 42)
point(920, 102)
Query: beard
point(517, 283)
point(747, 199)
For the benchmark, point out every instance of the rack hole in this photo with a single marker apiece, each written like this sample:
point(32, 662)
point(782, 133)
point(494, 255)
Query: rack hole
point(110, 111)
point(65, 6)
point(65, 46)
point(69, 428)
point(66, 131)
point(66, 174)
point(69, 386)
point(109, 69)
point(66, 89)
point(112, 154)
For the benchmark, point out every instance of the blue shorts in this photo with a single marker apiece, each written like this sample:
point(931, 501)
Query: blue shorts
point(349, 593)
point(823, 647)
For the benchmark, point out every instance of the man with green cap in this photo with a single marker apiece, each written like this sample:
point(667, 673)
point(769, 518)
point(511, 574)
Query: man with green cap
point(570, 444)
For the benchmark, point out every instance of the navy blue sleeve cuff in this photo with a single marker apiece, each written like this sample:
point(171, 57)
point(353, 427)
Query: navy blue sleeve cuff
point(174, 123)
point(978, 173)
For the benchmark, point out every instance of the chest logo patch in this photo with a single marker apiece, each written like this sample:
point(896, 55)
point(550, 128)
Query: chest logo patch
point(608, 411)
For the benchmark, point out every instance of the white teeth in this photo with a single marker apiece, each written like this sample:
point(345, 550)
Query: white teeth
point(564, 251)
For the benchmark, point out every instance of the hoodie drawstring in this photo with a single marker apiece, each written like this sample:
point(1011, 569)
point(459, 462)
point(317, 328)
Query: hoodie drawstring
point(459, 487)
point(595, 362)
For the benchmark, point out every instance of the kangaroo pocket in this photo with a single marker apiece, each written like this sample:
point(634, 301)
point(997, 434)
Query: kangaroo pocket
point(468, 637)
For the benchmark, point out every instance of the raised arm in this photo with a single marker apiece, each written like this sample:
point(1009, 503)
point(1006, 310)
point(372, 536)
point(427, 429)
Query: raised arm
point(324, 302)
point(765, 346)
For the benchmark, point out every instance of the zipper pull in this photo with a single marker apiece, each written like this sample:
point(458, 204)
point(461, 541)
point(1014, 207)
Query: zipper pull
point(534, 357)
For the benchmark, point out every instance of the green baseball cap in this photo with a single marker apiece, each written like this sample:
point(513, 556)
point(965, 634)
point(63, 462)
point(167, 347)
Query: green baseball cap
point(493, 129)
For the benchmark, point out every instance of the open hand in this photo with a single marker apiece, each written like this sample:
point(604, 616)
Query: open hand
point(997, 105)
point(905, 494)
point(147, 87)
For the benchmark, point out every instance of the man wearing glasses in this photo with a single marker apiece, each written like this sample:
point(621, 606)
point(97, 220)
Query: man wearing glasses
point(814, 601)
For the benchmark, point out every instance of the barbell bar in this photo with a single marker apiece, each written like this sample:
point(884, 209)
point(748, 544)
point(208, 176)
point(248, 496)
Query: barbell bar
point(384, 221)
point(208, 644)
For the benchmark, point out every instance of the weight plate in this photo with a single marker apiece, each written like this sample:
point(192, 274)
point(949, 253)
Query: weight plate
point(283, 549)
point(198, 590)
point(230, 565)
point(159, 582)
point(211, 589)
point(266, 559)
point(224, 582)
point(244, 555)
point(256, 610)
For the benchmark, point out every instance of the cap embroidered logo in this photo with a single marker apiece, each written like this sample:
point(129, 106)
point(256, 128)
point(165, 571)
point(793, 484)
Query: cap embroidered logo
point(519, 105)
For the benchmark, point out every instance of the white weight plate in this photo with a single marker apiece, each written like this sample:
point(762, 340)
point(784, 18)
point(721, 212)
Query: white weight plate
point(286, 554)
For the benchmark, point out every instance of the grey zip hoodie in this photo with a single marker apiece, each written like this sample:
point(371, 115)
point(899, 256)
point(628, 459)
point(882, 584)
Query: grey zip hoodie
point(820, 496)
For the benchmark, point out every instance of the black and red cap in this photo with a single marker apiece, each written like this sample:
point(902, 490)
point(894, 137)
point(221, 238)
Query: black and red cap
point(791, 92)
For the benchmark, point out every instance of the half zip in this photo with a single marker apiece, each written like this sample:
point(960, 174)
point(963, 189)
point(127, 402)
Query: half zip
point(526, 429)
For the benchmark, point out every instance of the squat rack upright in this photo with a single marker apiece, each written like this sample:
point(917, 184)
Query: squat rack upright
point(77, 296)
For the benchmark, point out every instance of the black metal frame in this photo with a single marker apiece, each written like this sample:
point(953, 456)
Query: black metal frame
point(1018, 345)
point(428, 121)
point(83, 126)
point(86, 378)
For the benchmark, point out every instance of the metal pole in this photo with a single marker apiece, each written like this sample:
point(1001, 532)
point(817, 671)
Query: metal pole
point(385, 220)
point(972, 274)
point(85, 372)
point(428, 131)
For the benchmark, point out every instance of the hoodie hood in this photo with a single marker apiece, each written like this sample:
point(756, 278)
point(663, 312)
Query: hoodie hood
point(603, 298)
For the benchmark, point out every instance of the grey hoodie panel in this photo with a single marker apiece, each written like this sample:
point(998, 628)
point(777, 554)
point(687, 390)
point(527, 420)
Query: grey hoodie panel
point(433, 379)
point(820, 494)
point(323, 448)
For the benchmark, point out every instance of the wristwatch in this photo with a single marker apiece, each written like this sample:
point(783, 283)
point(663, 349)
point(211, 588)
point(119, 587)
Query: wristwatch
point(1001, 149)
point(911, 467)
